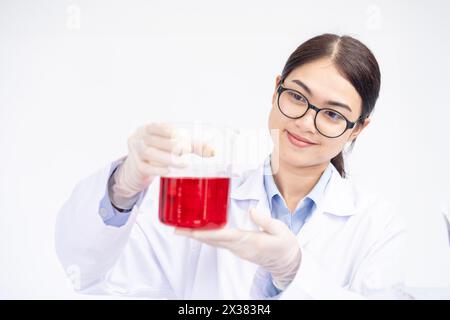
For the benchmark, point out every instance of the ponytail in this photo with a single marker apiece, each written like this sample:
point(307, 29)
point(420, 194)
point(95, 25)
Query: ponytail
point(338, 163)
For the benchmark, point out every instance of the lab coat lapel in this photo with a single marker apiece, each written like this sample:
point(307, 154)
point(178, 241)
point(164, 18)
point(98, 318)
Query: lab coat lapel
point(338, 200)
point(315, 225)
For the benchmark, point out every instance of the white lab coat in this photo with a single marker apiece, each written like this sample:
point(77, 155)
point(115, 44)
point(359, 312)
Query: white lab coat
point(352, 247)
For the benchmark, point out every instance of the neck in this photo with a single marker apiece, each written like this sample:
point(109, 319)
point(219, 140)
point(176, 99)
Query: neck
point(294, 182)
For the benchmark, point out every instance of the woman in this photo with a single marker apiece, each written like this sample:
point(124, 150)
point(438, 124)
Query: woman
point(300, 231)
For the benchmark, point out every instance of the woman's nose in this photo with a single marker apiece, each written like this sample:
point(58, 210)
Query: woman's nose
point(307, 121)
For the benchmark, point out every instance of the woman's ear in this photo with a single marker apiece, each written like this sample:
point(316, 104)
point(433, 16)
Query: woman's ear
point(277, 83)
point(358, 129)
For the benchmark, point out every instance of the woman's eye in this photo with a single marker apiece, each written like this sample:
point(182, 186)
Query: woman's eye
point(333, 115)
point(296, 96)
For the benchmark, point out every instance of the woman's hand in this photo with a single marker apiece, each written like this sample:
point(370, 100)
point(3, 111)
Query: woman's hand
point(275, 248)
point(152, 150)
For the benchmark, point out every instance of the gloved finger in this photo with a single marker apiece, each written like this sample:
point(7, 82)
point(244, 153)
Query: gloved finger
point(181, 146)
point(267, 223)
point(161, 143)
point(176, 143)
point(154, 155)
point(151, 169)
point(249, 246)
point(183, 231)
point(246, 246)
point(224, 234)
point(202, 149)
point(160, 129)
point(186, 143)
point(230, 245)
point(136, 153)
point(245, 239)
point(188, 233)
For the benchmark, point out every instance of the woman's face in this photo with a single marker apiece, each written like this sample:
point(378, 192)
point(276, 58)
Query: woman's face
point(320, 82)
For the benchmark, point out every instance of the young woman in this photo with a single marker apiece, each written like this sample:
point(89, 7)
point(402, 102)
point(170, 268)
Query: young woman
point(300, 231)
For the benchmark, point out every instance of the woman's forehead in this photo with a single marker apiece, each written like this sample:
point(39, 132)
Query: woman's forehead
point(324, 82)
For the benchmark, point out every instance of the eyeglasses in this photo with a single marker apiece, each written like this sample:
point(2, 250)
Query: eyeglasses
point(328, 122)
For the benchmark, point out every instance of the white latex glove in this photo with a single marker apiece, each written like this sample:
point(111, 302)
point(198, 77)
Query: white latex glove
point(275, 248)
point(152, 150)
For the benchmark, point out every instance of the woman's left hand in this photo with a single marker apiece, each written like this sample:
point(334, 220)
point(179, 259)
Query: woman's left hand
point(275, 248)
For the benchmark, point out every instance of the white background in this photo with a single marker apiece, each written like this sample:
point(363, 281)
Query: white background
point(78, 77)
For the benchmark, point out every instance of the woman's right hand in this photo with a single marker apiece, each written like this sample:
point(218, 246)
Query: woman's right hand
point(152, 150)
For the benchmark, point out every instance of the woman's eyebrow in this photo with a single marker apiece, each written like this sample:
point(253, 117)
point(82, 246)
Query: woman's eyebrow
point(329, 102)
point(304, 86)
point(338, 104)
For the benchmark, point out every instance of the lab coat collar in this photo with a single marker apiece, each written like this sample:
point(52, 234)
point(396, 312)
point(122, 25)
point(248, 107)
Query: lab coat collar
point(339, 197)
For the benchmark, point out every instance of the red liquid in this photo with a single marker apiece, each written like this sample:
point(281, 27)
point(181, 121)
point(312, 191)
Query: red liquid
point(194, 202)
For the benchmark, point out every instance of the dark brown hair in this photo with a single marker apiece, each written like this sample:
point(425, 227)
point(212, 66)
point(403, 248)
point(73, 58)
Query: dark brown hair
point(354, 61)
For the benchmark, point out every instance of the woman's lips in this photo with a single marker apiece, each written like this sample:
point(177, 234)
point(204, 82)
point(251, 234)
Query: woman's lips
point(299, 142)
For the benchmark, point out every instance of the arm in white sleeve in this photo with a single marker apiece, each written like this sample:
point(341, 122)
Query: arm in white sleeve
point(85, 245)
point(135, 259)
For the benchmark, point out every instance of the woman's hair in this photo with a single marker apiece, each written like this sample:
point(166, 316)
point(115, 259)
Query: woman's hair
point(354, 61)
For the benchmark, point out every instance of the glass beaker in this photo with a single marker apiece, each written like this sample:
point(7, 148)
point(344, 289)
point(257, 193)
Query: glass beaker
point(198, 196)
